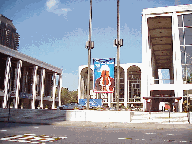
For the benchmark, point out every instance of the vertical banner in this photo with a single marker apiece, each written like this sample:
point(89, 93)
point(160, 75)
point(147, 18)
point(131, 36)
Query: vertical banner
point(104, 75)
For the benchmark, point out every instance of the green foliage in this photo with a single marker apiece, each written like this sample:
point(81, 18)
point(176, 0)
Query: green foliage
point(68, 96)
point(184, 104)
point(189, 78)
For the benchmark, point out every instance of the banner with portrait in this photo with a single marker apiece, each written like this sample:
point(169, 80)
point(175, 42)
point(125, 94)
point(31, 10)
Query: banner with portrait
point(104, 75)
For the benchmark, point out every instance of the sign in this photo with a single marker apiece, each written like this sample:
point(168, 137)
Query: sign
point(104, 75)
point(92, 102)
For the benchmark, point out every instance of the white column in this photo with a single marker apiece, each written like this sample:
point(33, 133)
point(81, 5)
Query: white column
point(180, 94)
point(53, 90)
point(24, 80)
point(128, 89)
point(59, 89)
point(109, 99)
point(6, 81)
point(125, 87)
point(17, 84)
point(34, 85)
point(176, 50)
point(82, 90)
point(79, 86)
point(42, 86)
point(177, 60)
point(146, 69)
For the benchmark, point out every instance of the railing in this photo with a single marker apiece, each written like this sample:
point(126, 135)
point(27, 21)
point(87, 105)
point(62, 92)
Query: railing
point(163, 81)
point(136, 99)
point(120, 100)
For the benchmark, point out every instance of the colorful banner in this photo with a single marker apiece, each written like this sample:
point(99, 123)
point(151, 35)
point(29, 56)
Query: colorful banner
point(104, 75)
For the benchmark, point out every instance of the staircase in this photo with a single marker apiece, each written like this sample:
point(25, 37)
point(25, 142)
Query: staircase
point(159, 117)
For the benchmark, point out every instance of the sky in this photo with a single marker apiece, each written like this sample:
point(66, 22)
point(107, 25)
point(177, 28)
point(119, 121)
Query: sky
point(56, 31)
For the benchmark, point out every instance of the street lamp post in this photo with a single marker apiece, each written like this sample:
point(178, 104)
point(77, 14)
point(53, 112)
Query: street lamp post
point(118, 42)
point(89, 46)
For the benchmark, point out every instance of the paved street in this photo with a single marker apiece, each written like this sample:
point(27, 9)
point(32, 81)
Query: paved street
point(89, 134)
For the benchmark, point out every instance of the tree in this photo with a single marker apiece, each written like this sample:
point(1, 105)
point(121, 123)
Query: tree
point(68, 96)
point(74, 96)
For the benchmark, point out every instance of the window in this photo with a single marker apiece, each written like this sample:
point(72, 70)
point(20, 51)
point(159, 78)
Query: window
point(185, 36)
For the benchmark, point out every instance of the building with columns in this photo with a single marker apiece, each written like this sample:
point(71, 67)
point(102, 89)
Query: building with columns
point(166, 45)
point(24, 80)
point(130, 85)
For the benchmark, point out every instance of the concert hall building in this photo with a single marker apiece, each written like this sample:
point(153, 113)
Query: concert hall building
point(25, 82)
point(166, 45)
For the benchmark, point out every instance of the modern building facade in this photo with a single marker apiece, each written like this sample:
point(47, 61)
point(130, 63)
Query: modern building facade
point(166, 45)
point(23, 79)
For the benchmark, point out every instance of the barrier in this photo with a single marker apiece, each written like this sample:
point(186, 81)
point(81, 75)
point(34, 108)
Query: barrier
point(98, 116)
point(190, 117)
point(49, 116)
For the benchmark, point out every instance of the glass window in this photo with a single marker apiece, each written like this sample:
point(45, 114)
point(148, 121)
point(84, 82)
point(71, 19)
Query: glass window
point(186, 51)
point(188, 54)
point(187, 20)
point(183, 71)
point(181, 36)
point(182, 55)
point(187, 69)
point(189, 73)
point(188, 36)
point(180, 22)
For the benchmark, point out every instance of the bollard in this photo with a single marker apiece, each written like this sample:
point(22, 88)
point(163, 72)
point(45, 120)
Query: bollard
point(169, 115)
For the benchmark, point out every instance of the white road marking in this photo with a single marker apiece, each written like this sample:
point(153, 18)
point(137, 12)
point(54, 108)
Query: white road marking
point(32, 138)
point(24, 141)
point(17, 136)
point(170, 134)
point(5, 138)
point(23, 138)
point(45, 140)
point(150, 133)
point(13, 140)
point(3, 130)
point(50, 139)
point(125, 138)
point(36, 127)
point(183, 141)
point(30, 134)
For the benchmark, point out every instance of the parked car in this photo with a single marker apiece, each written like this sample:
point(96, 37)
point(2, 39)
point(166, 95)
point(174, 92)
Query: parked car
point(70, 106)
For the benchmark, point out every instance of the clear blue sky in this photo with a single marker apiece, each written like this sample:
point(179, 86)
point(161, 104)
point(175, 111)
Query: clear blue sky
point(55, 31)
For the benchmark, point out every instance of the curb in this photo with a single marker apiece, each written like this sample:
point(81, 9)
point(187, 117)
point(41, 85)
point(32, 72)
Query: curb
point(109, 125)
point(39, 123)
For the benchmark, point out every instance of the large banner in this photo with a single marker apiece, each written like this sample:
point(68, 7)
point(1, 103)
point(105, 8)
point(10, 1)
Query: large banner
point(104, 75)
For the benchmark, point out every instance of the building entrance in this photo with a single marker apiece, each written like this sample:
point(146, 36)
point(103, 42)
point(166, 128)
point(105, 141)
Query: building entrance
point(158, 96)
